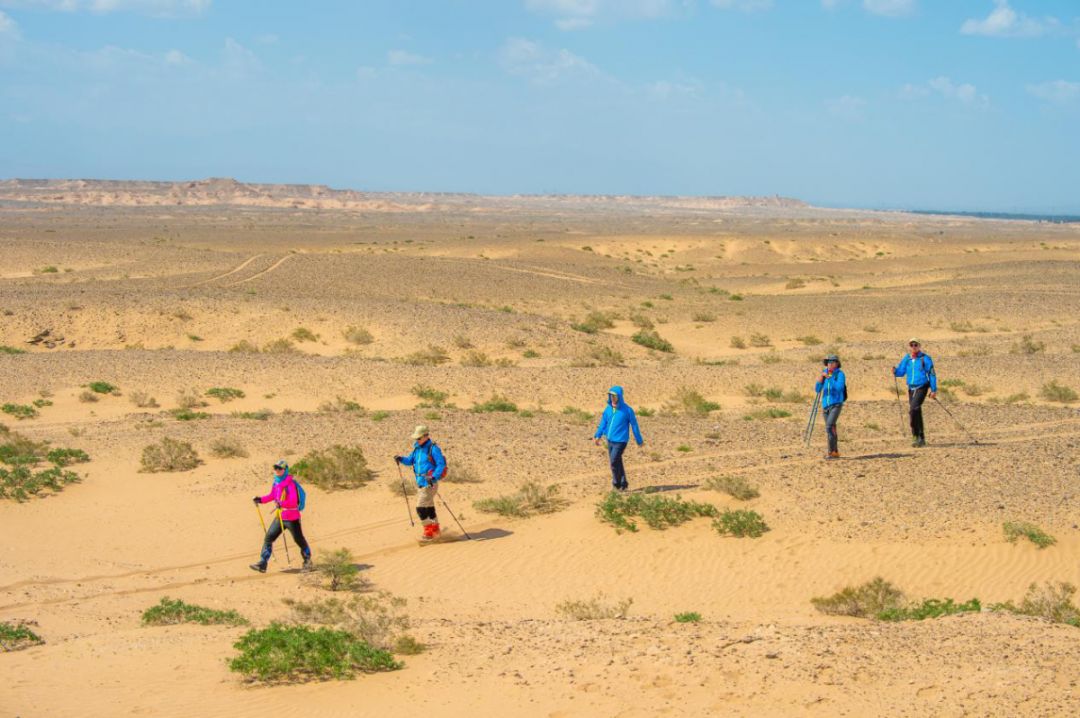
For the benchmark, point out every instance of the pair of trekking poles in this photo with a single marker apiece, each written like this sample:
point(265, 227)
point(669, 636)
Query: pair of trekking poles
point(262, 521)
point(408, 509)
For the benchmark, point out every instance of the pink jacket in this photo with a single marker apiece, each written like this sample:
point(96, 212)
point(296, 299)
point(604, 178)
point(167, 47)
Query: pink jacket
point(286, 496)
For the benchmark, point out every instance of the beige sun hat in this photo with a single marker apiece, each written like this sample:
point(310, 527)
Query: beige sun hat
point(913, 340)
point(419, 431)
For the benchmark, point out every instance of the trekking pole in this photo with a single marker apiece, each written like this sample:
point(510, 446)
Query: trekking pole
point(262, 521)
point(808, 432)
point(896, 385)
point(962, 427)
point(447, 507)
point(285, 540)
point(405, 494)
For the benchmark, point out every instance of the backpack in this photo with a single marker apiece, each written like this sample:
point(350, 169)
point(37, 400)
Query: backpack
point(301, 496)
point(431, 461)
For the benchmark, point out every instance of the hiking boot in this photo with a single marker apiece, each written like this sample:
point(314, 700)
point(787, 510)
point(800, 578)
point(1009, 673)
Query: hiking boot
point(427, 532)
point(832, 455)
point(919, 442)
point(308, 565)
point(434, 531)
point(260, 567)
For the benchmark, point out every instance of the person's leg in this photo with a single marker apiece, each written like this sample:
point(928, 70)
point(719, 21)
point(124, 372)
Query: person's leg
point(425, 509)
point(917, 397)
point(832, 415)
point(272, 533)
point(618, 471)
point(298, 536)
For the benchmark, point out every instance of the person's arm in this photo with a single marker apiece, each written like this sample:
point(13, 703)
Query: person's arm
point(901, 368)
point(634, 426)
point(268, 498)
point(440, 461)
point(933, 375)
point(408, 459)
point(820, 382)
point(605, 419)
point(839, 380)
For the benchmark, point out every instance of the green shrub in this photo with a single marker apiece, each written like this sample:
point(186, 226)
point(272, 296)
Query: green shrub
point(741, 524)
point(169, 455)
point(19, 411)
point(594, 322)
point(430, 396)
point(342, 405)
point(1052, 602)
point(530, 354)
point(809, 340)
point(1027, 345)
point(170, 612)
point(66, 457)
point(475, 358)
point(735, 297)
point(226, 448)
point(929, 608)
point(1010, 399)
point(738, 343)
point(865, 601)
point(406, 645)
point(5, 349)
point(594, 609)
point(48, 270)
point(296, 654)
point(641, 321)
point(303, 334)
point(652, 340)
point(658, 512)
point(225, 393)
point(1015, 529)
point(705, 317)
point(20, 477)
point(280, 346)
point(605, 356)
point(433, 356)
point(966, 326)
point(760, 340)
point(260, 415)
point(339, 571)
point(102, 387)
point(496, 403)
point(244, 347)
point(734, 486)
point(688, 617)
point(15, 636)
point(358, 335)
point(795, 283)
point(690, 401)
point(645, 411)
point(770, 413)
point(1052, 391)
point(531, 498)
point(190, 399)
point(577, 416)
point(335, 468)
point(376, 619)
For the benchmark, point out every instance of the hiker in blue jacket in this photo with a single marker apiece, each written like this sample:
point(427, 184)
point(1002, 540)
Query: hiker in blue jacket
point(615, 424)
point(833, 387)
point(917, 368)
point(429, 465)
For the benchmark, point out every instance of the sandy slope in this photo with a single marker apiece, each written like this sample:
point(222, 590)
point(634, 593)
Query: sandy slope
point(85, 563)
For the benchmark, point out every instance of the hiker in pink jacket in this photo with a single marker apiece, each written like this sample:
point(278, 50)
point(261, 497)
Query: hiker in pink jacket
point(286, 494)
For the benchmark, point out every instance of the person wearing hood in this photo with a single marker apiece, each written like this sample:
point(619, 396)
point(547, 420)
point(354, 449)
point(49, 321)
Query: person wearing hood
point(832, 385)
point(285, 493)
point(917, 368)
point(615, 425)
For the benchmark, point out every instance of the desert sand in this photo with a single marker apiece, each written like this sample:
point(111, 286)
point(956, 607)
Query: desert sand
point(154, 283)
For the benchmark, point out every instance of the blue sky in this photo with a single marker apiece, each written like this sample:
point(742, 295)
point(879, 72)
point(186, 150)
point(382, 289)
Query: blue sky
point(965, 104)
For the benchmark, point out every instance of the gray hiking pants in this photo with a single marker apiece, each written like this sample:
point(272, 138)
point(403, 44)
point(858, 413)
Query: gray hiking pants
point(832, 415)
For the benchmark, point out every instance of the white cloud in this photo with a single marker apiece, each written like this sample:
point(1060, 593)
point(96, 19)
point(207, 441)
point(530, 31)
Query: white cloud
point(830, 4)
point(1003, 21)
point(890, 8)
point(543, 65)
point(175, 57)
point(8, 27)
point(238, 61)
point(158, 8)
point(268, 39)
point(365, 72)
point(1059, 92)
point(743, 5)
point(580, 14)
point(403, 57)
point(964, 92)
point(846, 107)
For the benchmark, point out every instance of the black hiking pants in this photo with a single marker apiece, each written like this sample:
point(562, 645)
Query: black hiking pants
point(618, 471)
point(916, 397)
point(832, 415)
point(274, 531)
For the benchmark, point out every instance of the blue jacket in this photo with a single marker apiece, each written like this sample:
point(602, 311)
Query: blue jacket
point(616, 422)
point(831, 388)
point(918, 371)
point(428, 463)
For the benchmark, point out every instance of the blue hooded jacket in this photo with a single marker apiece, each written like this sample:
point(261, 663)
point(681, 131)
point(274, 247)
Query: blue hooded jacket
point(918, 371)
point(428, 466)
point(831, 388)
point(616, 422)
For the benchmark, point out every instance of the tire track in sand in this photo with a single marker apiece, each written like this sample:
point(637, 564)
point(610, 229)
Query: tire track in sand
point(231, 272)
point(269, 269)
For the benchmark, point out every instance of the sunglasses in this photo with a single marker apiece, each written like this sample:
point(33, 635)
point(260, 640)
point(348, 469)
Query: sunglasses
point(913, 344)
point(279, 468)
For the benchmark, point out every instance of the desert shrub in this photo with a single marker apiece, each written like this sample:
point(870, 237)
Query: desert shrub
point(688, 617)
point(965, 326)
point(102, 387)
point(463, 473)
point(652, 340)
point(735, 486)
point(188, 414)
point(795, 283)
point(774, 394)
point(16, 635)
point(142, 400)
point(577, 416)
point(1015, 529)
point(295, 654)
point(19, 411)
point(703, 317)
point(41, 403)
point(606, 356)
point(594, 322)
point(66, 457)
point(760, 340)
point(462, 342)
point(190, 399)
point(475, 358)
point(339, 572)
point(738, 343)
point(358, 335)
point(88, 397)
point(225, 393)
point(496, 403)
point(280, 346)
point(341, 404)
point(645, 411)
point(20, 475)
point(1052, 391)
point(659, 512)
point(865, 601)
point(303, 334)
point(929, 608)
point(260, 415)
point(771, 358)
point(641, 321)
point(334, 468)
point(690, 401)
point(1027, 345)
point(170, 612)
point(809, 340)
point(48, 270)
point(430, 396)
point(244, 347)
point(1010, 399)
point(406, 645)
point(530, 354)
point(531, 498)
point(1052, 602)
point(378, 416)
point(973, 389)
point(396, 485)
point(227, 448)
point(770, 413)
point(741, 524)
point(376, 619)
point(169, 455)
point(5, 349)
point(594, 609)
point(432, 356)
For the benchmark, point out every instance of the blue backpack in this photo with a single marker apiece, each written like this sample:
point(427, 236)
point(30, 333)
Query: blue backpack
point(301, 496)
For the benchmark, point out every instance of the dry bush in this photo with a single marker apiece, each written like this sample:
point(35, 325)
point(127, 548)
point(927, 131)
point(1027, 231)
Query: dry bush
point(334, 468)
point(865, 601)
point(190, 399)
point(1052, 602)
point(169, 455)
point(358, 335)
point(142, 400)
point(531, 498)
point(432, 356)
point(735, 486)
point(690, 401)
point(594, 609)
point(228, 448)
point(475, 358)
point(338, 571)
point(88, 397)
point(377, 619)
point(280, 346)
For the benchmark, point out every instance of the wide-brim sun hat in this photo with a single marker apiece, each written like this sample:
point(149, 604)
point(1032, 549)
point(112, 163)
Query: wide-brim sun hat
point(419, 431)
point(913, 340)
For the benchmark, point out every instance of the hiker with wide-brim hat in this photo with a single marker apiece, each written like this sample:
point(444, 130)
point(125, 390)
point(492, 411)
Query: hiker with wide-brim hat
point(429, 466)
point(832, 385)
point(285, 493)
point(917, 368)
point(615, 425)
